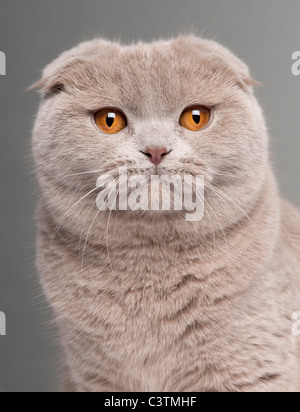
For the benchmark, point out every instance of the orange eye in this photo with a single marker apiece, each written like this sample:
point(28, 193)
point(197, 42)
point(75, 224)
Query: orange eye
point(195, 118)
point(110, 121)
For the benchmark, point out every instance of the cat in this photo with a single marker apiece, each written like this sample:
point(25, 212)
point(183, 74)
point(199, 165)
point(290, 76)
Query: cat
point(146, 301)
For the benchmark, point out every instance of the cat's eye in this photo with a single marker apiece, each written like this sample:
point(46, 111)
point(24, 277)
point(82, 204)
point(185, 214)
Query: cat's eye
point(110, 121)
point(195, 118)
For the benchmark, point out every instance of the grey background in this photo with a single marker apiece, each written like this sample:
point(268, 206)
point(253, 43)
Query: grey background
point(264, 33)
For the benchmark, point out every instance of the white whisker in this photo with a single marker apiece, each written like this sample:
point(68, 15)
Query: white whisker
point(66, 215)
point(202, 200)
point(86, 240)
point(84, 173)
point(223, 195)
point(222, 229)
point(90, 228)
point(83, 227)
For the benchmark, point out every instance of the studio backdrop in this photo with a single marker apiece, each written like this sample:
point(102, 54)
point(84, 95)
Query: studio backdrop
point(263, 33)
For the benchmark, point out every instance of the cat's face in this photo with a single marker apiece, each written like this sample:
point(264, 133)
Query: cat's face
point(151, 86)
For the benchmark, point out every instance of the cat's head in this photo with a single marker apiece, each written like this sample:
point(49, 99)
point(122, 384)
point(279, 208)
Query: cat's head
point(180, 107)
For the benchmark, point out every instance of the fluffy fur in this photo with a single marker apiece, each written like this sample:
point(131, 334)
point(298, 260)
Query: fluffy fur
point(147, 301)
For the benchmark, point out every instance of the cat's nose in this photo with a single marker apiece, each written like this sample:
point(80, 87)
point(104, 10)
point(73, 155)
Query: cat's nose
point(155, 155)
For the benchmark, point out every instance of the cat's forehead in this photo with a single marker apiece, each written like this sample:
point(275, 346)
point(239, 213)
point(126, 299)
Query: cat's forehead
point(156, 78)
point(152, 78)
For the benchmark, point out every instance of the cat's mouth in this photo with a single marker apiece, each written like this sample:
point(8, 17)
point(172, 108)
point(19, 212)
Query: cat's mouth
point(161, 171)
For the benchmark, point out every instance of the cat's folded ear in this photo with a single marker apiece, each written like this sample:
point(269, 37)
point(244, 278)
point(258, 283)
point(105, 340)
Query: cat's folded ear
point(246, 82)
point(47, 89)
point(58, 76)
point(240, 71)
point(235, 69)
point(250, 82)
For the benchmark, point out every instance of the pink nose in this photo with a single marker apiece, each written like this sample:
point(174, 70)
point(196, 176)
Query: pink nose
point(156, 155)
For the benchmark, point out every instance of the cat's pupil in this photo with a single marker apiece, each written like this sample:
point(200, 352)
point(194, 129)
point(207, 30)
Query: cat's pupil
point(196, 116)
point(110, 119)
